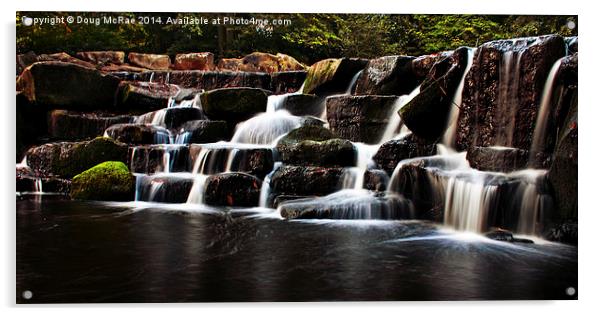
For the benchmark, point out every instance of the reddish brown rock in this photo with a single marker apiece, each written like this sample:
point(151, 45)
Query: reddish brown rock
point(102, 57)
point(150, 61)
point(194, 61)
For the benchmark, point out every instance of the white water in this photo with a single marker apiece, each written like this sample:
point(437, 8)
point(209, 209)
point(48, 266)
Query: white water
point(454, 113)
point(543, 113)
point(352, 82)
point(264, 197)
point(393, 126)
point(507, 103)
point(266, 127)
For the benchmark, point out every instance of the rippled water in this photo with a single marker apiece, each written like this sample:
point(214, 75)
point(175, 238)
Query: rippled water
point(71, 251)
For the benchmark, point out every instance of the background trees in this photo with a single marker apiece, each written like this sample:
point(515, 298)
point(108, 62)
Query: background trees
point(309, 38)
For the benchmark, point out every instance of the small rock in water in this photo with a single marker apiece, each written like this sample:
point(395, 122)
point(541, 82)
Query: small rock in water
point(505, 235)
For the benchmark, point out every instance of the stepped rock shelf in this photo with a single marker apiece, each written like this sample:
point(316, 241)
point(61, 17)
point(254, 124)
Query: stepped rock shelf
point(474, 138)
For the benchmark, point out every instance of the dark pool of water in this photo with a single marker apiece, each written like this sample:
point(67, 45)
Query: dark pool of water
point(71, 251)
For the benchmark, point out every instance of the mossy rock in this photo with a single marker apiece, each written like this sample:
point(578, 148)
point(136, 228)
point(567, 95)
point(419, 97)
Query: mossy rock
point(307, 132)
point(331, 75)
point(107, 181)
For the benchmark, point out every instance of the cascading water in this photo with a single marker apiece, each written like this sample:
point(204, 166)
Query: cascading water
point(543, 113)
point(452, 122)
point(508, 96)
point(393, 126)
point(266, 127)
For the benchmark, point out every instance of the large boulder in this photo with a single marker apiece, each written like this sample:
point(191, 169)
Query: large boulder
point(389, 75)
point(303, 104)
point(107, 181)
point(503, 89)
point(500, 159)
point(150, 61)
point(69, 125)
point(102, 57)
point(208, 80)
point(194, 61)
point(68, 86)
point(331, 152)
point(360, 118)
point(287, 81)
point(330, 76)
point(426, 115)
point(564, 169)
point(145, 96)
point(232, 189)
point(164, 189)
point(67, 159)
point(65, 58)
point(132, 133)
point(304, 180)
point(203, 131)
point(422, 65)
point(234, 104)
point(392, 152)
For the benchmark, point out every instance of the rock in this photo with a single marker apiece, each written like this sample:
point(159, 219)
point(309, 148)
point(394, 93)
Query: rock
point(54, 158)
point(31, 125)
point(171, 118)
point(232, 189)
point(564, 170)
point(194, 61)
point(255, 161)
point(499, 159)
point(306, 132)
point(392, 152)
point(234, 104)
point(376, 180)
point(25, 60)
point(503, 112)
point(30, 184)
point(121, 69)
point(421, 65)
point(208, 80)
point(144, 96)
point(303, 104)
point(150, 159)
point(261, 62)
point(102, 57)
point(328, 153)
point(204, 131)
point(565, 232)
point(505, 235)
point(360, 118)
point(287, 81)
point(66, 159)
point(426, 115)
point(107, 181)
point(68, 86)
point(389, 75)
point(330, 76)
point(163, 188)
point(301, 180)
point(65, 58)
point(138, 134)
point(69, 125)
point(150, 61)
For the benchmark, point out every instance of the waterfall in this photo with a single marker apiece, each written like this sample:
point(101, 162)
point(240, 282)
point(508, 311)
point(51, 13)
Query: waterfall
point(539, 135)
point(352, 83)
point(38, 186)
point(507, 102)
point(394, 118)
point(264, 197)
point(468, 201)
point(266, 127)
point(152, 75)
point(533, 204)
point(452, 121)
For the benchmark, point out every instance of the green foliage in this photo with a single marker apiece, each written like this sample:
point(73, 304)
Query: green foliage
point(309, 37)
